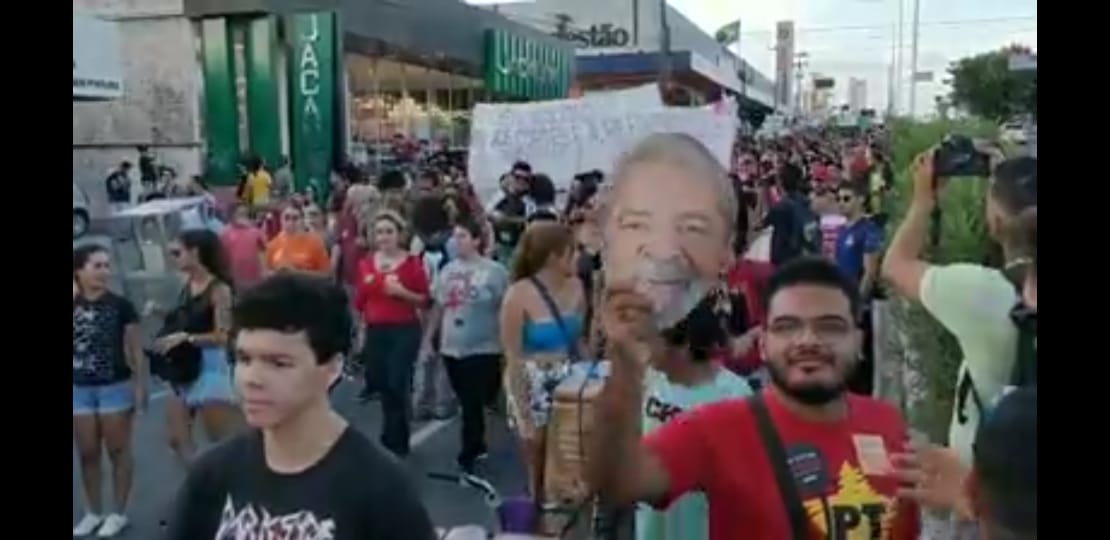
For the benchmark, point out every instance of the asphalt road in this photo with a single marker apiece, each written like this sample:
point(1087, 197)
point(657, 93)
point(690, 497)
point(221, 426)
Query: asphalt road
point(435, 444)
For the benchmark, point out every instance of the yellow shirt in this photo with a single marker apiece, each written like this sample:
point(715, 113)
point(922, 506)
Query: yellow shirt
point(259, 185)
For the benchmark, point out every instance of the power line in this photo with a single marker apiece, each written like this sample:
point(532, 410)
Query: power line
point(925, 46)
point(956, 22)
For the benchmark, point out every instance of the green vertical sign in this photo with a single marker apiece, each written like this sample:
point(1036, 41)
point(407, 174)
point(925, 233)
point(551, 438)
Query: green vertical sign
point(313, 79)
point(264, 112)
point(221, 111)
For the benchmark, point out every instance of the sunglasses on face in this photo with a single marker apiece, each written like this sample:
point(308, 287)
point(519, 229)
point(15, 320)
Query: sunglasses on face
point(175, 253)
point(291, 217)
point(845, 198)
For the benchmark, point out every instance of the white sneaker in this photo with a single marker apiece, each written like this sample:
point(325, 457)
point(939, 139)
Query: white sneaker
point(112, 526)
point(87, 525)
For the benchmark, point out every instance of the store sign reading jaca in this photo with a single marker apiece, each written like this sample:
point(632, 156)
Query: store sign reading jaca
point(313, 80)
point(519, 67)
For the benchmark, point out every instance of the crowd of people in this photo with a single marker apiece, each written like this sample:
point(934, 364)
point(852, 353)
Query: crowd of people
point(732, 306)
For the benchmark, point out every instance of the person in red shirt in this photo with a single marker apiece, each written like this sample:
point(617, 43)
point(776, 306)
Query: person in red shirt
point(748, 278)
point(245, 246)
point(391, 289)
point(834, 448)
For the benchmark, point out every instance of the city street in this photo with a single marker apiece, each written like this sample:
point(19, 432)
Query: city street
point(157, 475)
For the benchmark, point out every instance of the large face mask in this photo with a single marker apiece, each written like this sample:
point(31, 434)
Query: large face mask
point(672, 285)
point(674, 289)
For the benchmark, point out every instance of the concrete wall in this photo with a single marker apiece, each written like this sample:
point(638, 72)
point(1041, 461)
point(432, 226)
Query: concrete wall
point(162, 92)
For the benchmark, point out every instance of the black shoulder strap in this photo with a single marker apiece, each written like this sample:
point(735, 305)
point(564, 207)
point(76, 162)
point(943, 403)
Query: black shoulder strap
point(776, 453)
point(1025, 365)
point(553, 307)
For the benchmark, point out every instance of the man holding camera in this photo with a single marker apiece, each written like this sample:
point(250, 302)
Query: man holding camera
point(973, 302)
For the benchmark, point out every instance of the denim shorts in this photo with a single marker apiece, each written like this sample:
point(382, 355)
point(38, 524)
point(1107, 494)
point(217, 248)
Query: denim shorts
point(213, 385)
point(103, 399)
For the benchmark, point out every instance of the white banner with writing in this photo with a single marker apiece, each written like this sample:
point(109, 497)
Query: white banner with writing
point(566, 137)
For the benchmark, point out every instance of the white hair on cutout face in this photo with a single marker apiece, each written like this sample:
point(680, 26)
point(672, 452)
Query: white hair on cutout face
point(686, 153)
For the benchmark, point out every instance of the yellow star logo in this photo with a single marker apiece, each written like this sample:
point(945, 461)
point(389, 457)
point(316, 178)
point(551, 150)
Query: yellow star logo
point(856, 508)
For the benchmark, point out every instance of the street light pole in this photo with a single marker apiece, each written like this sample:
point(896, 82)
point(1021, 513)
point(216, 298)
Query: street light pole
point(913, 57)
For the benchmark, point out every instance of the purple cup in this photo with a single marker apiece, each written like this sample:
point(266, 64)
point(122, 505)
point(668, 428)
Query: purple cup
point(518, 515)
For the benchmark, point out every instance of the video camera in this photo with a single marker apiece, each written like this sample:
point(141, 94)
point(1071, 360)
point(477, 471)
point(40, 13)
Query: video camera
point(957, 156)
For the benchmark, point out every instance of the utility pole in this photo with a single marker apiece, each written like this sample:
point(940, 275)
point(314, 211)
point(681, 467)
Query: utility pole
point(913, 57)
point(899, 63)
point(664, 49)
point(799, 75)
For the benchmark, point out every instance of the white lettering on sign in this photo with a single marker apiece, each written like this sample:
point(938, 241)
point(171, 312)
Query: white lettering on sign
point(310, 70)
point(562, 138)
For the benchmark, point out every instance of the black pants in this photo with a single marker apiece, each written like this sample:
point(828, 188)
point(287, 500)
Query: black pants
point(476, 381)
point(391, 351)
point(863, 380)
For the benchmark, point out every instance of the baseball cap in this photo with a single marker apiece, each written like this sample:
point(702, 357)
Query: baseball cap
point(1005, 460)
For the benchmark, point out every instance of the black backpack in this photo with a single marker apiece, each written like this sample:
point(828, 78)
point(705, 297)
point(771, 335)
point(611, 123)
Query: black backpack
point(1023, 373)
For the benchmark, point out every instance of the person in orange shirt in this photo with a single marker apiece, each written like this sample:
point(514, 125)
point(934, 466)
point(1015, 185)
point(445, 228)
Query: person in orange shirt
point(295, 247)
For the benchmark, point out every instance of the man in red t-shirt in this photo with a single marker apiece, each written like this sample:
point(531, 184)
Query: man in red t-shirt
point(837, 445)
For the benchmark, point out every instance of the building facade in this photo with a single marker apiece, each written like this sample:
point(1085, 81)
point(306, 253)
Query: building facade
point(618, 44)
point(857, 94)
point(209, 81)
point(160, 101)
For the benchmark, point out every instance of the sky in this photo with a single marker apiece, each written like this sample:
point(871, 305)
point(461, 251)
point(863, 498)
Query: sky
point(855, 38)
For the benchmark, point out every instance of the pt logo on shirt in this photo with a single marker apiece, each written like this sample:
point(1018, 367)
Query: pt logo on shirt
point(247, 523)
point(854, 512)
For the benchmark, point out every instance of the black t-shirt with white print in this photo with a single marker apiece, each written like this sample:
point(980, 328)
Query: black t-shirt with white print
point(355, 492)
point(98, 339)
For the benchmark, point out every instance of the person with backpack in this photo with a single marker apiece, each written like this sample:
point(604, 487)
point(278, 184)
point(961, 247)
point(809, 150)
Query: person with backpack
point(796, 228)
point(975, 303)
point(118, 187)
point(998, 490)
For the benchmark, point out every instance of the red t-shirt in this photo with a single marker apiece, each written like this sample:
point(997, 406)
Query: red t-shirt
point(375, 305)
point(716, 449)
point(350, 252)
point(244, 246)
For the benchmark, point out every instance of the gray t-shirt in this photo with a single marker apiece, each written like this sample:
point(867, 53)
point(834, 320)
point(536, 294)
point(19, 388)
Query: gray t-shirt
point(470, 294)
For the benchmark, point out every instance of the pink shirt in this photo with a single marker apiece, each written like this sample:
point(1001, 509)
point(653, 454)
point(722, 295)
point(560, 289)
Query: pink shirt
point(244, 247)
point(831, 224)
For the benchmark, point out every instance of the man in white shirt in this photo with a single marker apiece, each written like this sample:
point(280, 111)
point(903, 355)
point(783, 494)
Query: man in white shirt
point(973, 302)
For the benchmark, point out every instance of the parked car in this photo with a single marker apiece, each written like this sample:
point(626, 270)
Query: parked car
point(1014, 132)
point(80, 212)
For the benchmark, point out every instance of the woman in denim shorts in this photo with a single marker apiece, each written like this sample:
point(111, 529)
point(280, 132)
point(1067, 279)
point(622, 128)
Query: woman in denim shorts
point(206, 302)
point(107, 384)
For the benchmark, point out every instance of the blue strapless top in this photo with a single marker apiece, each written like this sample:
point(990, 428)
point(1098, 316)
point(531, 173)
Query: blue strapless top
point(546, 337)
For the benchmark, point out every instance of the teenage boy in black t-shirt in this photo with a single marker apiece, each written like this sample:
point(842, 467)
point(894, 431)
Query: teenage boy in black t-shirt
point(301, 471)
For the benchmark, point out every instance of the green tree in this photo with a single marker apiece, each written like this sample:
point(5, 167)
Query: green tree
point(984, 85)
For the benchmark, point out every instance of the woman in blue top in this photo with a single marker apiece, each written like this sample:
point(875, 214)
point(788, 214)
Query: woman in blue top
point(539, 343)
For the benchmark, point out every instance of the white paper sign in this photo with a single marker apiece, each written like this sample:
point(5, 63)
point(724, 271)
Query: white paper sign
point(566, 137)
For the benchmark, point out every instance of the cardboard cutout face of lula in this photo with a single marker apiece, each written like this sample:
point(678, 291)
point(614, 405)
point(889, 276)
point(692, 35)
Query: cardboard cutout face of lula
point(666, 232)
